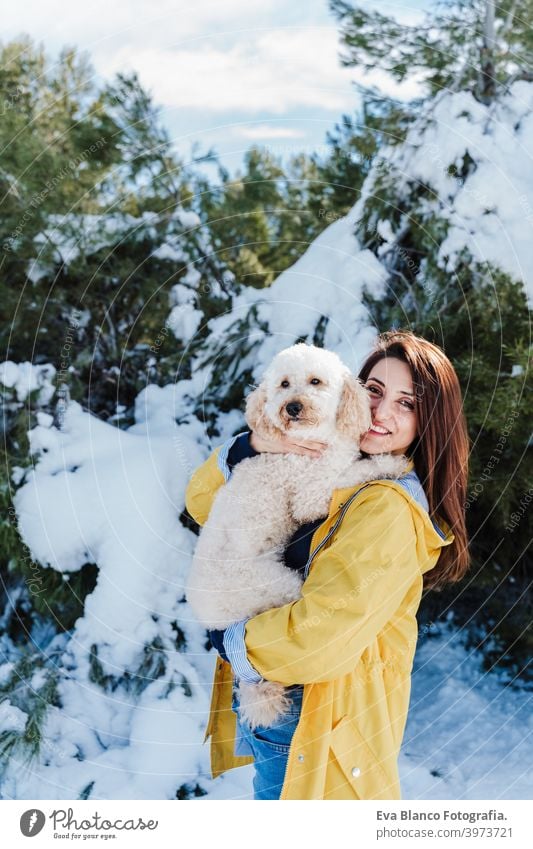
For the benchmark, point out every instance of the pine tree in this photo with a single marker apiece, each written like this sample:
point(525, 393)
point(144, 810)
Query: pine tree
point(463, 45)
point(261, 220)
point(474, 310)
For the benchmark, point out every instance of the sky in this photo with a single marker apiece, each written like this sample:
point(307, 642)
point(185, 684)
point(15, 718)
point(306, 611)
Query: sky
point(226, 75)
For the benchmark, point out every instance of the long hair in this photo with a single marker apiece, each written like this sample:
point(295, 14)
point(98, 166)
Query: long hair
point(440, 451)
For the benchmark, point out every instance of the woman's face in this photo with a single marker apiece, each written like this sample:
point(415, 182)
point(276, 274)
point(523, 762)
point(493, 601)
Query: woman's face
point(392, 407)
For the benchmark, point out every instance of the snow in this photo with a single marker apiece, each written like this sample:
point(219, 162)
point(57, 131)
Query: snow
point(183, 292)
point(44, 419)
point(9, 373)
point(490, 213)
point(26, 377)
point(11, 717)
point(187, 218)
point(100, 494)
point(73, 234)
point(5, 672)
point(327, 280)
point(184, 321)
point(468, 733)
point(168, 251)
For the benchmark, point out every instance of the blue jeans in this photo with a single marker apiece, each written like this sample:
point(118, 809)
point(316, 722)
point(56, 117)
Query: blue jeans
point(270, 744)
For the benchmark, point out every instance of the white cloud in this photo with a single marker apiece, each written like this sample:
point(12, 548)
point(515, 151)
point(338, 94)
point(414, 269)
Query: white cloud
point(268, 131)
point(100, 25)
point(277, 70)
point(222, 71)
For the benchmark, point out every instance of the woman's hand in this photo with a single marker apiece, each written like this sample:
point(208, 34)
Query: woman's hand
point(286, 445)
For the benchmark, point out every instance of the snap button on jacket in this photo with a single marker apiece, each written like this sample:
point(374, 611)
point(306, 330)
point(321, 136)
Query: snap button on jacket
point(350, 640)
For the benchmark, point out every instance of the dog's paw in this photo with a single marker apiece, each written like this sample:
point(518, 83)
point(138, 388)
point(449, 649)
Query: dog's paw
point(275, 586)
point(263, 703)
point(377, 467)
point(389, 465)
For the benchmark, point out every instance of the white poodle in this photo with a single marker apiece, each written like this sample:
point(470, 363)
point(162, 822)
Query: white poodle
point(238, 570)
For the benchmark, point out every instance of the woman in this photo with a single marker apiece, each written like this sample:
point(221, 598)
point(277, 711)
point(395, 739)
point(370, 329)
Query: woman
point(345, 649)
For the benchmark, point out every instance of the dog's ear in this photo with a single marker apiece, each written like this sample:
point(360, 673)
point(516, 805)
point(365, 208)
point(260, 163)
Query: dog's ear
point(255, 415)
point(353, 413)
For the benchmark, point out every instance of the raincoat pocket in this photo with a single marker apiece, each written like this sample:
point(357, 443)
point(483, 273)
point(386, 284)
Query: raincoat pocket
point(360, 766)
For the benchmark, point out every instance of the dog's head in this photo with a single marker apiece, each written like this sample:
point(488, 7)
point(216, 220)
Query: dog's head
point(308, 392)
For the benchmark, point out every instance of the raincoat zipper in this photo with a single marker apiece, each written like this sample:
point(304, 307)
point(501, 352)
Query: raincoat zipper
point(332, 531)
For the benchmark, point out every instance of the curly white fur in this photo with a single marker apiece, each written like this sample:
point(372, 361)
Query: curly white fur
point(238, 570)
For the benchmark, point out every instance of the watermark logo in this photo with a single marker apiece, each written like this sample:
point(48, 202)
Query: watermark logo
point(32, 822)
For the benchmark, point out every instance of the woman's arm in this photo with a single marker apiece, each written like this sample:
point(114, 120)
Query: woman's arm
point(353, 590)
point(203, 486)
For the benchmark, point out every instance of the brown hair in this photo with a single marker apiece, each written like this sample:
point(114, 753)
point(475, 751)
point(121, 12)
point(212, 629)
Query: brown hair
point(441, 449)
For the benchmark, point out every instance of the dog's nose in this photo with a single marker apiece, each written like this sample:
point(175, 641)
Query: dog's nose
point(293, 408)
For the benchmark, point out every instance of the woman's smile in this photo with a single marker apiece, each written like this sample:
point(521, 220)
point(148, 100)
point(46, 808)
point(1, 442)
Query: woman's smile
point(378, 431)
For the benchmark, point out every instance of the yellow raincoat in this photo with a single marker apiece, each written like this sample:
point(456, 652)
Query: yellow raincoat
point(350, 640)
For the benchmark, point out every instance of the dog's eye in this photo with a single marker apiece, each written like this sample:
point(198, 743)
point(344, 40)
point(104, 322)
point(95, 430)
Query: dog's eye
point(315, 381)
point(285, 384)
